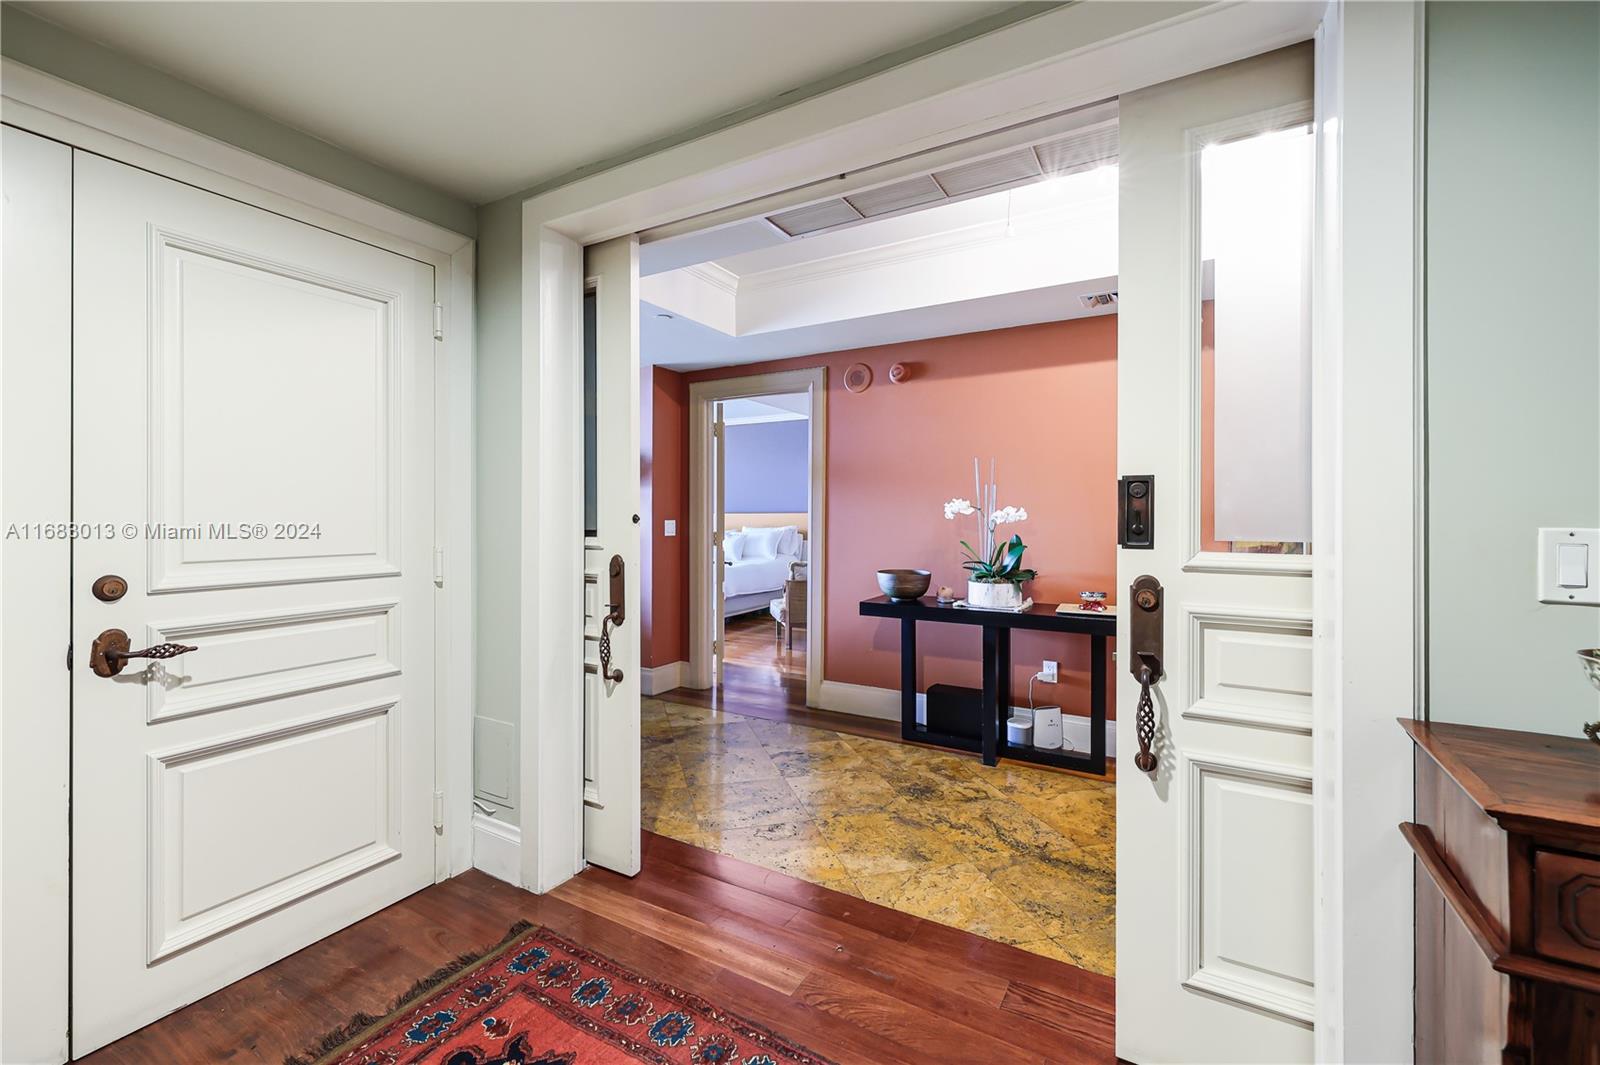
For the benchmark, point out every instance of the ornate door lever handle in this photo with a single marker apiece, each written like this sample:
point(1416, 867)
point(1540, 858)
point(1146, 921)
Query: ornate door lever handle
point(110, 652)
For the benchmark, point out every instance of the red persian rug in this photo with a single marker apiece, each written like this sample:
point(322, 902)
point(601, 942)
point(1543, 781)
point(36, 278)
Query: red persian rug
point(539, 999)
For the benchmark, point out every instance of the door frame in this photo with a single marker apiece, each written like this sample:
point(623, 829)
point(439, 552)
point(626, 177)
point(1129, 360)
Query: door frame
point(814, 382)
point(82, 119)
point(1064, 58)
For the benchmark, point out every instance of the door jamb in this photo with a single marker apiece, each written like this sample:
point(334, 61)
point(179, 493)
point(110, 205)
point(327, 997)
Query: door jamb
point(83, 119)
point(814, 382)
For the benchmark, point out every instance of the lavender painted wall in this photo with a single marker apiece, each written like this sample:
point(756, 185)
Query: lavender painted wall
point(767, 467)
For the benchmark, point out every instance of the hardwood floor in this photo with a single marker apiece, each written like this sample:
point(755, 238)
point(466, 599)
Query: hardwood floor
point(852, 980)
point(753, 642)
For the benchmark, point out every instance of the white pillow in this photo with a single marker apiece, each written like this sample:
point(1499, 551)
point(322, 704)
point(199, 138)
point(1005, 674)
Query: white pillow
point(789, 542)
point(733, 546)
point(761, 543)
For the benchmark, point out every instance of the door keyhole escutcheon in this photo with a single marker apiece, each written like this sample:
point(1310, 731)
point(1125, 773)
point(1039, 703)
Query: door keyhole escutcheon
point(1147, 626)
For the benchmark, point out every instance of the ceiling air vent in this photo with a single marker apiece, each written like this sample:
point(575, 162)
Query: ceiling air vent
point(900, 196)
point(1081, 150)
point(814, 217)
point(1098, 299)
point(993, 173)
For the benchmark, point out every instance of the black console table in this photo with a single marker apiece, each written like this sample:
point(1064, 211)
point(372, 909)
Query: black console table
point(997, 626)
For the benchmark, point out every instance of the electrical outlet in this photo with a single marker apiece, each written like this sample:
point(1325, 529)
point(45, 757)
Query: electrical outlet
point(1049, 673)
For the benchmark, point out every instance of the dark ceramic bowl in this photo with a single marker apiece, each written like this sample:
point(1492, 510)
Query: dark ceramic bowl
point(904, 583)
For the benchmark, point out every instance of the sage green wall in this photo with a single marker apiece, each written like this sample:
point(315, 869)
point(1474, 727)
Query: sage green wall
point(499, 488)
point(47, 47)
point(1513, 338)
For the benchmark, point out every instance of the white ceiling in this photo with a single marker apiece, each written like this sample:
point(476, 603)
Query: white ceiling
point(484, 99)
point(1006, 259)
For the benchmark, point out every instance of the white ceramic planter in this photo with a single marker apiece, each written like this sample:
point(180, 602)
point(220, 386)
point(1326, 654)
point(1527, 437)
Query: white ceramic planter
point(994, 596)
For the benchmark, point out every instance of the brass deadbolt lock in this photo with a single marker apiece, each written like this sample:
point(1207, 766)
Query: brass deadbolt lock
point(110, 588)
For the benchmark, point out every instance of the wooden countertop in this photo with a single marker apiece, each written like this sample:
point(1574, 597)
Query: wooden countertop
point(1521, 779)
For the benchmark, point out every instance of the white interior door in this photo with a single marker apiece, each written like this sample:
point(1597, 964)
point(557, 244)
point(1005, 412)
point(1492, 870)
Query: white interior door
point(719, 532)
point(1214, 846)
point(611, 571)
point(253, 456)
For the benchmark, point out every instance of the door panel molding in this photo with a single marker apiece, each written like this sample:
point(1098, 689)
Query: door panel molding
point(1210, 867)
point(177, 919)
point(178, 262)
point(366, 646)
point(1259, 701)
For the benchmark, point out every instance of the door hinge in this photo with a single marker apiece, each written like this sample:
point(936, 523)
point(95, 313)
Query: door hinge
point(716, 430)
point(716, 647)
point(438, 811)
point(438, 321)
point(438, 567)
point(69, 658)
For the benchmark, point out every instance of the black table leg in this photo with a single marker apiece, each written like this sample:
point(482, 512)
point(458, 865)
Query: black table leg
point(1097, 704)
point(908, 678)
point(991, 693)
point(1003, 699)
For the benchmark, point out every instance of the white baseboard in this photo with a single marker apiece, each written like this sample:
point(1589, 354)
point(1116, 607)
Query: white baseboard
point(497, 848)
point(660, 679)
point(864, 700)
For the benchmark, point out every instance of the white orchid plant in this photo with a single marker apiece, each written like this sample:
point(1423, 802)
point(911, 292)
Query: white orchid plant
point(991, 562)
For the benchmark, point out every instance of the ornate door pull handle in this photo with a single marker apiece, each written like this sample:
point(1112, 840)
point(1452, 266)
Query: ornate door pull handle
point(1145, 663)
point(110, 652)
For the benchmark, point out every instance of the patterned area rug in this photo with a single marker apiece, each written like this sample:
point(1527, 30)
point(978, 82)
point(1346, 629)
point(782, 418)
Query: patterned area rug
point(539, 999)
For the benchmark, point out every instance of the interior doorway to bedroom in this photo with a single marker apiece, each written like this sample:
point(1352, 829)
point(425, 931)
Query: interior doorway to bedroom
point(761, 509)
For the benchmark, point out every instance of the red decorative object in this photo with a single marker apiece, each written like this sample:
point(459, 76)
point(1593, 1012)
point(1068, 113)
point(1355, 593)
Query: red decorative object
point(543, 1000)
point(898, 373)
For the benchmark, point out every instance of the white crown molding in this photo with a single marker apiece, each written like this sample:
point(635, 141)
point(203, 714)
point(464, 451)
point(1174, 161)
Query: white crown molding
point(718, 277)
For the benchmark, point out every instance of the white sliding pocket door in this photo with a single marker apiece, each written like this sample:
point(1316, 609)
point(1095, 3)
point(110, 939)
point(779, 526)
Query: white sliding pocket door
point(252, 472)
point(1214, 832)
point(611, 756)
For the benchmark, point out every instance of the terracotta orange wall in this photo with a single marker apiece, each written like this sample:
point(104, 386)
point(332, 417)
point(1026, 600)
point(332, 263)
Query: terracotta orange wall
point(1041, 399)
point(663, 469)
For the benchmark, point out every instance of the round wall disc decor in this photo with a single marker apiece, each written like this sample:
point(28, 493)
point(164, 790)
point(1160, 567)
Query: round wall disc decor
point(858, 378)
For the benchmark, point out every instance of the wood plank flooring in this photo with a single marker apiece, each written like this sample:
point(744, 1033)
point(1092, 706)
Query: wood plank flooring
point(752, 641)
point(853, 981)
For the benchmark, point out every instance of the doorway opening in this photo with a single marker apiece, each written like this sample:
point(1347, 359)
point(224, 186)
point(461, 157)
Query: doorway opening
point(761, 503)
point(993, 278)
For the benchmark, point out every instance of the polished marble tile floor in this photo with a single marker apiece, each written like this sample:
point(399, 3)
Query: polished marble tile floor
point(1013, 853)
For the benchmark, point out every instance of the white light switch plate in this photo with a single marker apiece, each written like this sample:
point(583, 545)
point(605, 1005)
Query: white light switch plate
point(669, 527)
point(1569, 566)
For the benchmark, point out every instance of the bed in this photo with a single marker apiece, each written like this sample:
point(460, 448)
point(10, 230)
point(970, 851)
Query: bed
point(755, 567)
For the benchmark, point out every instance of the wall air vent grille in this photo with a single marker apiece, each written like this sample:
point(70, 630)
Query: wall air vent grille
point(901, 196)
point(1078, 151)
point(1013, 168)
point(815, 217)
point(1098, 299)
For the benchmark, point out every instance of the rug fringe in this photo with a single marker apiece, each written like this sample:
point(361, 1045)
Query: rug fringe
point(362, 1021)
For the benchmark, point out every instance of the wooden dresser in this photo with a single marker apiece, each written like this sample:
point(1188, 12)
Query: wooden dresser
point(1507, 842)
